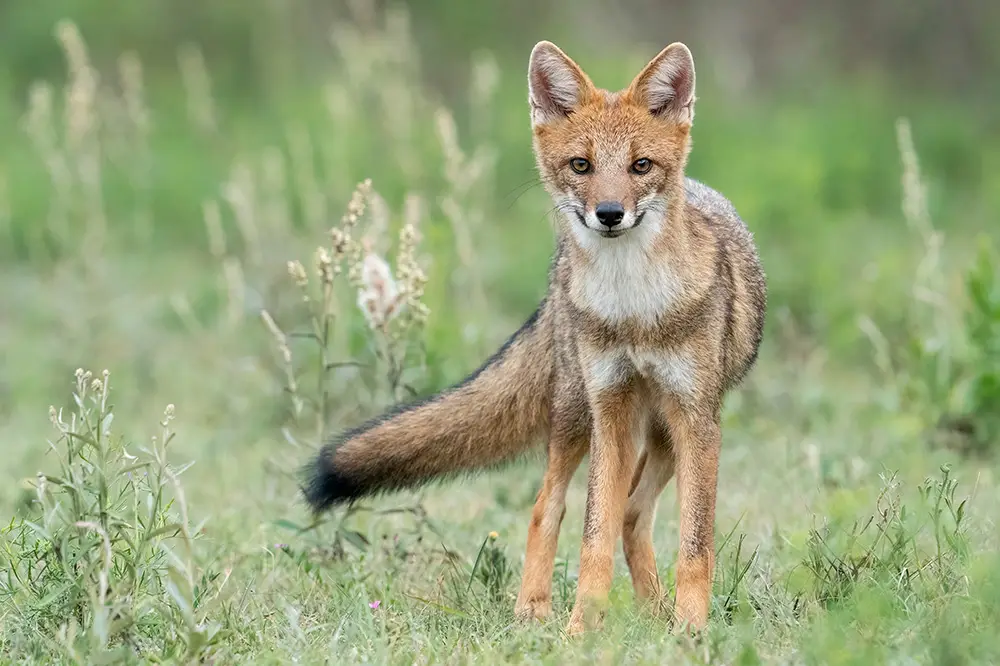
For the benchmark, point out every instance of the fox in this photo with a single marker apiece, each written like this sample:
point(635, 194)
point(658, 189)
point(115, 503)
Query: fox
point(654, 312)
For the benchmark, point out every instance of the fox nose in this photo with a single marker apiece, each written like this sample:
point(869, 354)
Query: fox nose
point(609, 213)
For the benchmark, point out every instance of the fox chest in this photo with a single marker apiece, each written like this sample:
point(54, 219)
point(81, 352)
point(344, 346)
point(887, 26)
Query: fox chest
point(672, 371)
point(623, 285)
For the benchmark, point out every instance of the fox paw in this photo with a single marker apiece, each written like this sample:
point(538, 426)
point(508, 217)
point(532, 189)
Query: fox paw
point(689, 621)
point(575, 627)
point(588, 615)
point(533, 609)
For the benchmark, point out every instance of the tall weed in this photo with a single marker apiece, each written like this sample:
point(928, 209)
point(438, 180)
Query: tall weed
point(946, 373)
point(102, 564)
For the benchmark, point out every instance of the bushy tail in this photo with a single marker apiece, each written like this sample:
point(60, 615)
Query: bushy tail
point(490, 418)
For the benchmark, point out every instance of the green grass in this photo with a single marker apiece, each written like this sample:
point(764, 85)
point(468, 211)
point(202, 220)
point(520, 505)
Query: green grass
point(857, 493)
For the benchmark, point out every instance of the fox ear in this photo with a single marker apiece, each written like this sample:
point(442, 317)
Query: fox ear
point(556, 84)
point(666, 84)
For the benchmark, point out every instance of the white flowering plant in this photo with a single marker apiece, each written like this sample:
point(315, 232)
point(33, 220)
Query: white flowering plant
point(391, 302)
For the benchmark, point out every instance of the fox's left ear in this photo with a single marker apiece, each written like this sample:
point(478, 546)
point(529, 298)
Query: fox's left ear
point(666, 84)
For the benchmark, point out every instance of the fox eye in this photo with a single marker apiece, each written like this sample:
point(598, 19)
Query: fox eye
point(579, 165)
point(641, 166)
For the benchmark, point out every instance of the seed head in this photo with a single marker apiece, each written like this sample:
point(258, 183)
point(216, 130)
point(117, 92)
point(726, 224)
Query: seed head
point(324, 265)
point(378, 296)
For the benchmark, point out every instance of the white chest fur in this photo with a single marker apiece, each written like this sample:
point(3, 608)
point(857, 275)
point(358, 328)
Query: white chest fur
point(621, 282)
point(670, 370)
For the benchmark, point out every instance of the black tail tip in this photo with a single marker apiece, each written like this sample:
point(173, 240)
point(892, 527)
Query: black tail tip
point(325, 486)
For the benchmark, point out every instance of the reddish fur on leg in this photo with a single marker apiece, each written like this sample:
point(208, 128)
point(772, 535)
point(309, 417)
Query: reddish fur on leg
point(698, 440)
point(535, 597)
point(652, 474)
point(612, 463)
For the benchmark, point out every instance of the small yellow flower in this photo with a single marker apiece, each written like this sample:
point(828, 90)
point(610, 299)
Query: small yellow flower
point(494, 536)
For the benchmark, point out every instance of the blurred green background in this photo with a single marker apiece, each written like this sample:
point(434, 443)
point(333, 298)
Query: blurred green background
point(795, 119)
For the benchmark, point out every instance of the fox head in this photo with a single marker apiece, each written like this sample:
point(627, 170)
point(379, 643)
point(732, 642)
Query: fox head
point(612, 161)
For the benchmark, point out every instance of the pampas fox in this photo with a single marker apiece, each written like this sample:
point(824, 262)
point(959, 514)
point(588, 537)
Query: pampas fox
point(655, 309)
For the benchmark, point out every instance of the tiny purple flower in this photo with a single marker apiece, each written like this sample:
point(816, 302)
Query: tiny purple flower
point(375, 604)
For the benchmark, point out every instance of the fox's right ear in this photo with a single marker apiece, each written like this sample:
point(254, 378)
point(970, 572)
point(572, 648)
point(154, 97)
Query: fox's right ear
point(556, 84)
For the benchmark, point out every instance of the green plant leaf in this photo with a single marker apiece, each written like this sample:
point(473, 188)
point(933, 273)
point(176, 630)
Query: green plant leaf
point(356, 539)
point(288, 525)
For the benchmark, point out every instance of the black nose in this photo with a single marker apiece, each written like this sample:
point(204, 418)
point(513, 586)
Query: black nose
point(609, 213)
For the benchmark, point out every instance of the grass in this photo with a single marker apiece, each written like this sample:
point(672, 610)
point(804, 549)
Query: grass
point(252, 291)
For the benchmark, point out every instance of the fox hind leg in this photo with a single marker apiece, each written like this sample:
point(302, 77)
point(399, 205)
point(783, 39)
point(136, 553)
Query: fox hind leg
point(567, 446)
point(652, 473)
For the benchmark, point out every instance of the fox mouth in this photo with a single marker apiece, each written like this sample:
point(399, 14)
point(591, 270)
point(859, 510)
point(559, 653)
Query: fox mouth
point(612, 233)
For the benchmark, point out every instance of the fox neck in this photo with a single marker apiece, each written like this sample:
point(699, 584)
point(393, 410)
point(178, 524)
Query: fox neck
point(638, 277)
